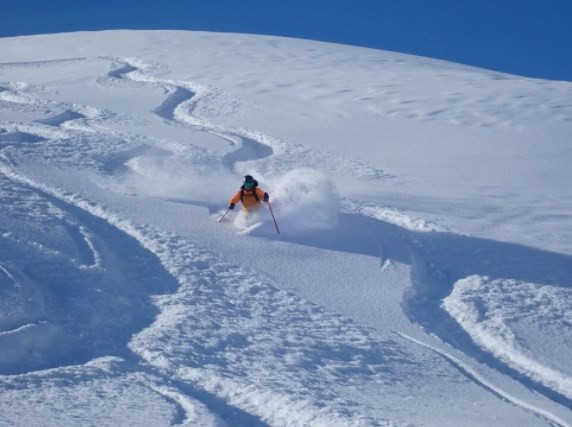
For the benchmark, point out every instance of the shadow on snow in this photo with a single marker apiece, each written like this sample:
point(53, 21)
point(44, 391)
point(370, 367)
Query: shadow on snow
point(81, 310)
point(438, 260)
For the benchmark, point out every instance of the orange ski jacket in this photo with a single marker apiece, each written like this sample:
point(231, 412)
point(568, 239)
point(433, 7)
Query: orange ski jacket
point(247, 198)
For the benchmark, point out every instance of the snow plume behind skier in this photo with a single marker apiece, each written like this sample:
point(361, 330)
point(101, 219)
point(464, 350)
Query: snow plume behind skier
point(304, 200)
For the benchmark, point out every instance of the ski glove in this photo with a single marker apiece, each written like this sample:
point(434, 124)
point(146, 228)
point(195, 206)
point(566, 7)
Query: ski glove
point(231, 207)
point(266, 197)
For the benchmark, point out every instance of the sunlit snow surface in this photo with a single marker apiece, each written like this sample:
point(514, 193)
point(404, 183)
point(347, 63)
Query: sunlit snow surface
point(422, 270)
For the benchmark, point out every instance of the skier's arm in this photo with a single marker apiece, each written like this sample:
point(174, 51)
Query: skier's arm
point(262, 195)
point(236, 198)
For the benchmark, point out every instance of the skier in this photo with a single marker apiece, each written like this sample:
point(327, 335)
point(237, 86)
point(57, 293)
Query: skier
point(249, 195)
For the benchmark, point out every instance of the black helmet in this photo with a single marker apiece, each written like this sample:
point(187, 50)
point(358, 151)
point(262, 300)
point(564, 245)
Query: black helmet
point(249, 182)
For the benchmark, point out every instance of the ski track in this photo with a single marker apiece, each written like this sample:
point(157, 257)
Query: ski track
point(189, 413)
point(90, 258)
point(42, 63)
point(439, 259)
point(59, 119)
point(19, 329)
point(193, 271)
point(9, 275)
point(180, 105)
point(184, 98)
point(478, 379)
point(15, 138)
point(252, 145)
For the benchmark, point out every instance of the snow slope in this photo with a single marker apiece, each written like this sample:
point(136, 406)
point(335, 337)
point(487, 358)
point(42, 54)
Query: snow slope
point(421, 275)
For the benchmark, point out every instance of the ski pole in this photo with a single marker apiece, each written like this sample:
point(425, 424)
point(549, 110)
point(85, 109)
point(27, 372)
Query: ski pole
point(221, 218)
point(272, 213)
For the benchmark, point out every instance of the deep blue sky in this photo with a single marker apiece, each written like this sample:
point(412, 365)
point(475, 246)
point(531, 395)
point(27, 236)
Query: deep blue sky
point(527, 37)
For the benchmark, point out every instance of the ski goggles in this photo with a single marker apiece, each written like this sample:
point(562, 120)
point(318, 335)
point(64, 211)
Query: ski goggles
point(248, 184)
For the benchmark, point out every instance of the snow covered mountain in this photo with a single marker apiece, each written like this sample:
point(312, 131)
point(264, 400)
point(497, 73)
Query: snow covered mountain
point(423, 270)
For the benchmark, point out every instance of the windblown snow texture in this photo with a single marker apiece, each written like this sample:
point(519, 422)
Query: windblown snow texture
point(423, 270)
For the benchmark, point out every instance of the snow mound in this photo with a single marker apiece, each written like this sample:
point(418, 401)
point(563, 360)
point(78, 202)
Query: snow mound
point(392, 216)
point(499, 315)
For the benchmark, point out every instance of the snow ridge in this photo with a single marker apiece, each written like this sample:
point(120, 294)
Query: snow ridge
point(475, 303)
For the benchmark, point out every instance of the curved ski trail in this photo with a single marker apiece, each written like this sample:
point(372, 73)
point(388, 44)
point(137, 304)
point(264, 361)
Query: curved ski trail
point(180, 106)
point(211, 338)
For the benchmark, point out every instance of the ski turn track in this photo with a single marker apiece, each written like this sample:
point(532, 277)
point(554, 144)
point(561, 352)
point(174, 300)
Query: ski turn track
point(180, 105)
point(183, 101)
point(275, 321)
point(478, 379)
point(248, 310)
